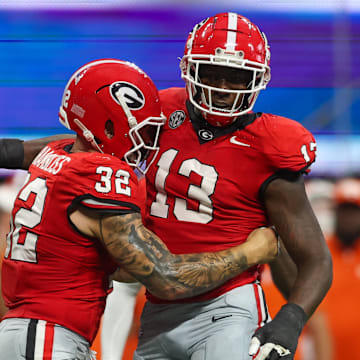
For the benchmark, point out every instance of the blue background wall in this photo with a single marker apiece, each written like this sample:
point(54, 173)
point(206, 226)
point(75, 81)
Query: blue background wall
point(315, 64)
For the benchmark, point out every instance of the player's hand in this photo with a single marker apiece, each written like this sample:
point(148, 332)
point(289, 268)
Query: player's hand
point(262, 245)
point(278, 339)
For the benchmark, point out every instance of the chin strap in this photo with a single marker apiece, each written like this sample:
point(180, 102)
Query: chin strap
point(88, 135)
point(130, 117)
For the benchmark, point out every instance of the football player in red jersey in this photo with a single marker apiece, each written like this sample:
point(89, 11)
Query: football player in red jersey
point(222, 171)
point(77, 217)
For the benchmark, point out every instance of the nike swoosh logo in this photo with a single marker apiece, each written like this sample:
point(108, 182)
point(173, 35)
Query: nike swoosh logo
point(216, 318)
point(237, 142)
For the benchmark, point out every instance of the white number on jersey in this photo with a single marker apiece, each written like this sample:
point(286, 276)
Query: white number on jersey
point(24, 248)
point(304, 150)
point(106, 181)
point(202, 194)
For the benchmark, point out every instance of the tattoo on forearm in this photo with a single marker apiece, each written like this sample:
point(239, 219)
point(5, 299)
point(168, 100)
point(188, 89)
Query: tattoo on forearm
point(148, 259)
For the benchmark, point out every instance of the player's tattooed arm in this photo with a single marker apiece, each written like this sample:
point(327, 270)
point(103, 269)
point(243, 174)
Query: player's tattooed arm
point(141, 253)
point(144, 256)
point(18, 154)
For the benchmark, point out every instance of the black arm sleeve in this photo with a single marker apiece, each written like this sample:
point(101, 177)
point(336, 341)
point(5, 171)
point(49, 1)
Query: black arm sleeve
point(11, 153)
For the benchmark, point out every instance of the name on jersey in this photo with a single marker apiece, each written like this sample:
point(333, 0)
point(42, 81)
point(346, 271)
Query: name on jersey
point(49, 161)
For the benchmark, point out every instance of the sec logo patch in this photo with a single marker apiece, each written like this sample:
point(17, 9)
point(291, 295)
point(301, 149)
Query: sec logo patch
point(176, 119)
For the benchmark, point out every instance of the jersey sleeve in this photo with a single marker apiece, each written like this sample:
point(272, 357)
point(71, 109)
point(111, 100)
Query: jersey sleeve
point(288, 145)
point(105, 184)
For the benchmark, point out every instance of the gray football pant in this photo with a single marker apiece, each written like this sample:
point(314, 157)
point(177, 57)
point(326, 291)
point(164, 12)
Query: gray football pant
point(211, 330)
point(24, 339)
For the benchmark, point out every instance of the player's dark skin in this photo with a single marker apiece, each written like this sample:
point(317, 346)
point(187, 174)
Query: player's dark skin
point(288, 208)
point(306, 277)
point(143, 255)
point(223, 78)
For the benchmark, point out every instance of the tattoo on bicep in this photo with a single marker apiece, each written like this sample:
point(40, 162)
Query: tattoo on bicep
point(115, 233)
point(148, 259)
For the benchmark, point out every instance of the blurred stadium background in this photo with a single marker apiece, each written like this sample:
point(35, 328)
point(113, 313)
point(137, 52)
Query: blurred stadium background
point(315, 49)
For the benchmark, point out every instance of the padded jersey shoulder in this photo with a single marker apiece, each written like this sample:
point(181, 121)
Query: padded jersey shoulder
point(285, 142)
point(93, 179)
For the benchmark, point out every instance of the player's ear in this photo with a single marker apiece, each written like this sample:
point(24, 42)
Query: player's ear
point(109, 129)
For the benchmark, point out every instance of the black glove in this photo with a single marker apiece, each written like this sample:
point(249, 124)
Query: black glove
point(278, 339)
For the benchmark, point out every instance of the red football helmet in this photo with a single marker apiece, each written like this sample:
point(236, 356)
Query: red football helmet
point(232, 41)
point(114, 106)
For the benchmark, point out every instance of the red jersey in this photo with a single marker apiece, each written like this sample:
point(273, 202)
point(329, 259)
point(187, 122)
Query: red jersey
point(204, 190)
point(51, 271)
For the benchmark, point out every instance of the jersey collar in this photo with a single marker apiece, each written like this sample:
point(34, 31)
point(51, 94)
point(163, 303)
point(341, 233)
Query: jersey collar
point(206, 132)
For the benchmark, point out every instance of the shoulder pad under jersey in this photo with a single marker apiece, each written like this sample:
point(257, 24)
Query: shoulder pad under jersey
point(286, 143)
point(105, 183)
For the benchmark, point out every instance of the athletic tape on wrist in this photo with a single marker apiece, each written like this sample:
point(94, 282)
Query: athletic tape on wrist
point(11, 153)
